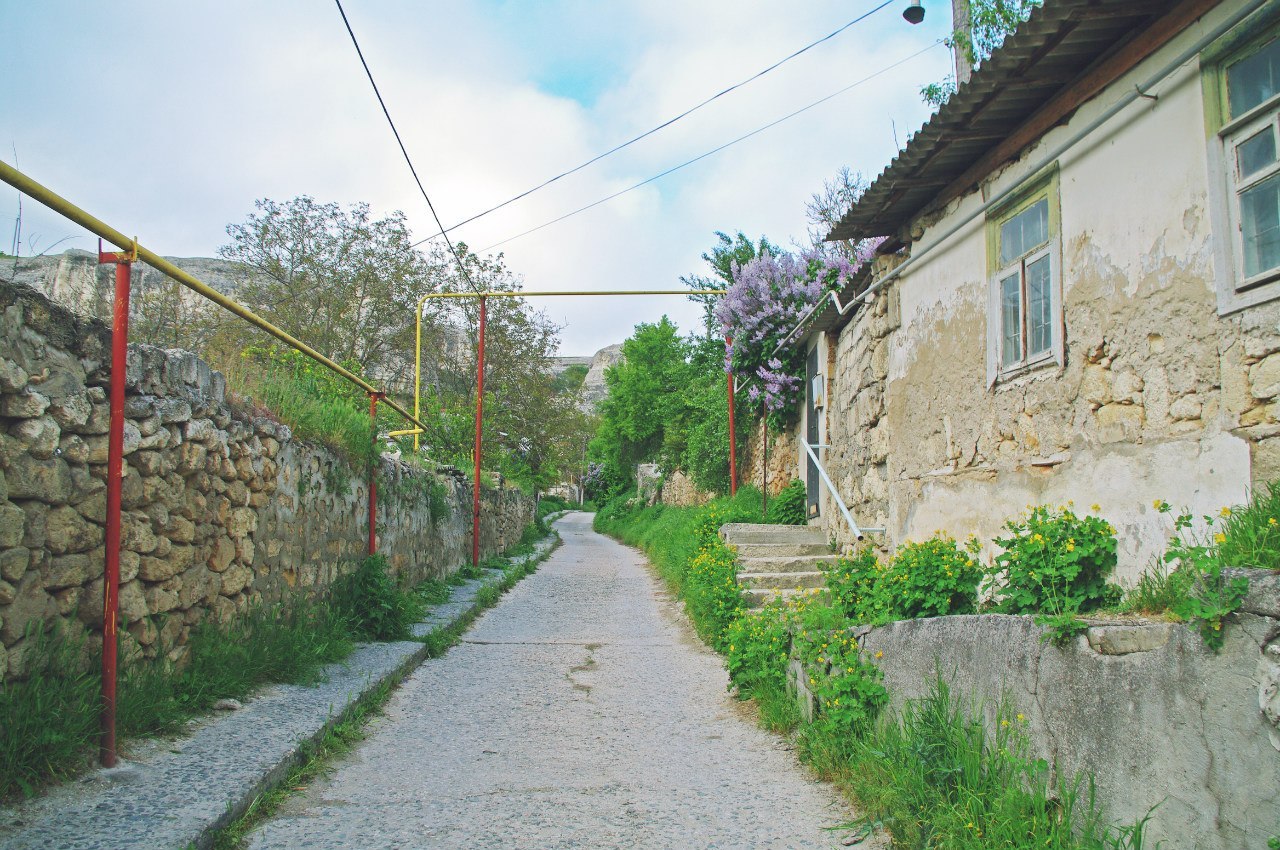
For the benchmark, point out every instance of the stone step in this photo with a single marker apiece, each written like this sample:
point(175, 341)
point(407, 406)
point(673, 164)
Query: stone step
point(791, 564)
point(756, 597)
point(781, 550)
point(783, 581)
point(737, 533)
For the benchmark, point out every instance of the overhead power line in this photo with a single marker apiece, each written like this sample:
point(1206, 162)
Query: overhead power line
point(716, 150)
point(445, 231)
point(461, 267)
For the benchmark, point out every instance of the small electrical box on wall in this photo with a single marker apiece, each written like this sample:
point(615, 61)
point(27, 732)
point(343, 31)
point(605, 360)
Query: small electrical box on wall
point(817, 391)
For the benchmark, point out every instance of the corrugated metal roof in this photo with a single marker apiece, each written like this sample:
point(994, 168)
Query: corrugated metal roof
point(1051, 49)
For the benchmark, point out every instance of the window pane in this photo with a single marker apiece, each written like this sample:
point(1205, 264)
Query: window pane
point(1010, 320)
point(1253, 79)
point(1256, 152)
point(1039, 324)
point(1260, 226)
point(1027, 230)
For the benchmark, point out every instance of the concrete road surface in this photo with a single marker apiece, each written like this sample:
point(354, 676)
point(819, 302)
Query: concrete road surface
point(581, 712)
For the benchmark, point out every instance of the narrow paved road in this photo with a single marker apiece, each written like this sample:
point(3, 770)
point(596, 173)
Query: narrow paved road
point(581, 712)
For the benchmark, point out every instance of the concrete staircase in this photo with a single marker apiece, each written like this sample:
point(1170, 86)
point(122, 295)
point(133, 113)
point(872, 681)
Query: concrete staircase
point(777, 561)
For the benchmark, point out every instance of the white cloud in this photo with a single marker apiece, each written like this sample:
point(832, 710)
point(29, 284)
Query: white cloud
point(169, 120)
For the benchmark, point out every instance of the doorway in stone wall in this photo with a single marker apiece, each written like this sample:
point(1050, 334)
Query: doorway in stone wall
point(811, 431)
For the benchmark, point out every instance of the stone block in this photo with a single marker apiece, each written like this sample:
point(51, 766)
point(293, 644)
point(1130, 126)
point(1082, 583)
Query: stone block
point(242, 521)
point(13, 378)
point(39, 435)
point(30, 604)
point(136, 533)
point(67, 599)
point(1127, 387)
point(1125, 639)
point(1095, 385)
point(222, 554)
point(70, 571)
point(8, 593)
point(173, 410)
point(48, 479)
point(132, 601)
point(159, 599)
point(74, 449)
point(1185, 408)
point(1117, 422)
point(12, 525)
point(236, 579)
point(23, 405)
point(1264, 377)
point(67, 531)
point(14, 562)
point(1263, 597)
point(199, 585)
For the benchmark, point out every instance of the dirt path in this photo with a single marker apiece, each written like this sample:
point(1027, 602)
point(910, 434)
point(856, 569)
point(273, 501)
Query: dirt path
point(581, 712)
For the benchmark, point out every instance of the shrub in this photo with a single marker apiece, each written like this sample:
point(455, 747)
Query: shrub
point(789, 507)
point(1054, 562)
point(848, 690)
point(372, 604)
point(931, 578)
point(1200, 592)
point(758, 644)
point(712, 592)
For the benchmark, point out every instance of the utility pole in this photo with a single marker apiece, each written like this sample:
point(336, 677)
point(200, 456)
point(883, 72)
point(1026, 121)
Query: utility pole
point(962, 32)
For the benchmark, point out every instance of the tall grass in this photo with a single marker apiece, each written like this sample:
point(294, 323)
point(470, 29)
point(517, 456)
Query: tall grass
point(936, 776)
point(48, 719)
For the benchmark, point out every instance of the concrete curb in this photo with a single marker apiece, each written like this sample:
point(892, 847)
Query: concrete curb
point(181, 792)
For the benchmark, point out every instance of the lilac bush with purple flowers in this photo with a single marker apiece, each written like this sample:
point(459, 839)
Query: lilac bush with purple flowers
point(768, 297)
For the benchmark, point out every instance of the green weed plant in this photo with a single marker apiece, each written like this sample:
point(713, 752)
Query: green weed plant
point(928, 578)
point(790, 507)
point(1054, 561)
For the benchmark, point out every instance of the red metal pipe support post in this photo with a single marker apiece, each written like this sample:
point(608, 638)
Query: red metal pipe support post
point(475, 504)
point(373, 473)
point(115, 475)
point(733, 451)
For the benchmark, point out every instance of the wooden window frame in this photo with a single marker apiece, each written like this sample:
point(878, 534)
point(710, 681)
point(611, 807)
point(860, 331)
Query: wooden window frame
point(1043, 188)
point(1235, 292)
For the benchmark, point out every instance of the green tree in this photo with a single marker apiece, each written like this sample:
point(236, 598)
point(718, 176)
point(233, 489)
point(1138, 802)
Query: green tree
point(340, 279)
point(990, 22)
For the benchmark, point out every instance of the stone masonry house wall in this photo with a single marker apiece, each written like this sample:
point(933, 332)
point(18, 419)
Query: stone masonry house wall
point(222, 507)
point(1158, 393)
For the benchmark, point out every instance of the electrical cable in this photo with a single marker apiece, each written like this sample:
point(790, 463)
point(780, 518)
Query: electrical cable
point(716, 150)
point(663, 125)
point(461, 267)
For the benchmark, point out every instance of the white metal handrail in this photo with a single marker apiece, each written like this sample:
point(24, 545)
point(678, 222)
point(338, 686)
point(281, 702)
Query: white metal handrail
point(858, 533)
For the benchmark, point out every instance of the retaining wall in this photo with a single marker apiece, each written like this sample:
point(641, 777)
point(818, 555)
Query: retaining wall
point(1145, 708)
point(222, 506)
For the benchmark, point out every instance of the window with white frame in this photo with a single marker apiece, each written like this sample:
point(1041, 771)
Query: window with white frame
point(1251, 104)
point(1025, 316)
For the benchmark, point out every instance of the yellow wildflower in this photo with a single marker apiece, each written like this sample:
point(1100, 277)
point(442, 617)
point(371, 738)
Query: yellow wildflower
point(1021, 718)
point(1095, 507)
point(1219, 538)
point(1071, 547)
point(1159, 504)
point(1272, 522)
point(879, 654)
point(1226, 510)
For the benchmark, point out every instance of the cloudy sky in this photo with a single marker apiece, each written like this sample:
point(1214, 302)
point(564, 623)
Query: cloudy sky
point(169, 119)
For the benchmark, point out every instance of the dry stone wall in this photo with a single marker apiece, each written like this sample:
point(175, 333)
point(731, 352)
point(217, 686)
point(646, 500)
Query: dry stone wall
point(222, 506)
